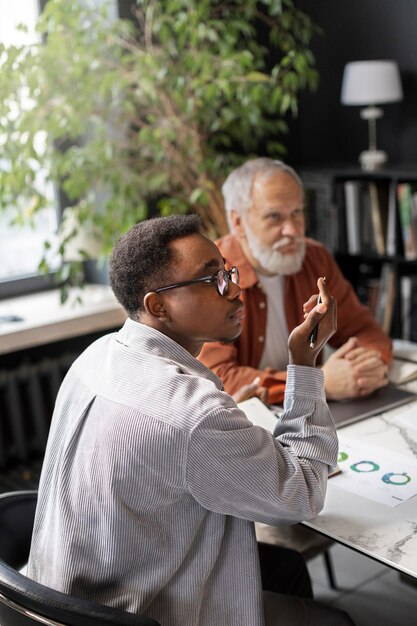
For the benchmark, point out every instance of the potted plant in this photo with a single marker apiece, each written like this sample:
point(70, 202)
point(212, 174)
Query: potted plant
point(128, 114)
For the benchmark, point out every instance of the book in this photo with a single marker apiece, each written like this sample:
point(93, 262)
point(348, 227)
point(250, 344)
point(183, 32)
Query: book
point(407, 220)
point(403, 368)
point(392, 243)
point(406, 350)
point(352, 193)
point(401, 372)
point(378, 225)
point(406, 285)
point(408, 305)
point(386, 297)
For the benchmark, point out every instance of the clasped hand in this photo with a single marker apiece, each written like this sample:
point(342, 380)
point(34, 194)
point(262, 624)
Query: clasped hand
point(353, 371)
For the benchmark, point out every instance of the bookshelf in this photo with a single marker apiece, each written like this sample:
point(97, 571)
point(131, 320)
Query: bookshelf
point(368, 220)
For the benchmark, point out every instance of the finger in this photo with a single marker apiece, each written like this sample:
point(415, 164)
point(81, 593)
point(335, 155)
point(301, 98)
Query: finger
point(369, 364)
point(323, 294)
point(365, 390)
point(323, 290)
point(372, 380)
point(263, 394)
point(310, 304)
point(361, 353)
point(248, 391)
point(351, 344)
point(318, 316)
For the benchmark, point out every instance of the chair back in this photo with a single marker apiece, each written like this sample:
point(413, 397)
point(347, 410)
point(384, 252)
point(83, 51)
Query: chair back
point(24, 602)
point(17, 512)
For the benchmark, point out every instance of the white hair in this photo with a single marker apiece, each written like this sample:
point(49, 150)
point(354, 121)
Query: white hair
point(237, 188)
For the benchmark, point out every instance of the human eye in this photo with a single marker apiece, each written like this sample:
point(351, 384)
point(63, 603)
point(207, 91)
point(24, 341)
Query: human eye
point(297, 214)
point(274, 217)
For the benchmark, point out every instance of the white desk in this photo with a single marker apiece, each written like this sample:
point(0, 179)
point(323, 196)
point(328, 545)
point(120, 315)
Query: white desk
point(384, 533)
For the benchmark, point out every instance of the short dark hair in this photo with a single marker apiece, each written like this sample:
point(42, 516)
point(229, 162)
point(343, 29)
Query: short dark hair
point(141, 258)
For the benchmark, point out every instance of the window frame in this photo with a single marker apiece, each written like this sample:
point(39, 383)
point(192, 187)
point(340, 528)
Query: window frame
point(36, 282)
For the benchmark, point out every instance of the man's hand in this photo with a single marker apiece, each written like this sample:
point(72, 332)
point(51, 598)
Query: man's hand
point(353, 371)
point(253, 389)
point(323, 314)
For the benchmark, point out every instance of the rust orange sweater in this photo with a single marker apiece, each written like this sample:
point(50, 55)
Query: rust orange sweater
point(237, 363)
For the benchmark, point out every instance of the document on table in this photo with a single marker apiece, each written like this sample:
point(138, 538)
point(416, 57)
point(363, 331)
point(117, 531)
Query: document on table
point(403, 368)
point(407, 416)
point(258, 413)
point(375, 473)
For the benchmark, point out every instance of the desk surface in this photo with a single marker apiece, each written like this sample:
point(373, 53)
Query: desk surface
point(44, 319)
point(387, 534)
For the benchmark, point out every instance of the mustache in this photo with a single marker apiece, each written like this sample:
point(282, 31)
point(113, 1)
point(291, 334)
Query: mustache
point(287, 241)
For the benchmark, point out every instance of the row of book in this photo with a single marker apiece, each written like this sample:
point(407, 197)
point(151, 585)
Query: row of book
point(392, 300)
point(379, 217)
point(380, 294)
point(407, 204)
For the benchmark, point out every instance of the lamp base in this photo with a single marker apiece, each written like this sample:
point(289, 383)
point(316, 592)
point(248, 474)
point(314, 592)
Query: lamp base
point(372, 159)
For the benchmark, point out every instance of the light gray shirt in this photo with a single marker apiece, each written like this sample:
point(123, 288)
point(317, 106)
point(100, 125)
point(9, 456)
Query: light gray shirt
point(152, 479)
point(275, 352)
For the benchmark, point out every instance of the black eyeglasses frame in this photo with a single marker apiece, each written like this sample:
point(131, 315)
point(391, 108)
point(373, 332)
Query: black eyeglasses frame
point(227, 274)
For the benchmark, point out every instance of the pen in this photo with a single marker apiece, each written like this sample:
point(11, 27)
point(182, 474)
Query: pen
point(313, 336)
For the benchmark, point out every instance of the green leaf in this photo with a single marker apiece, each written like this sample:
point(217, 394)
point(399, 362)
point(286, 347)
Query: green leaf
point(123, 115)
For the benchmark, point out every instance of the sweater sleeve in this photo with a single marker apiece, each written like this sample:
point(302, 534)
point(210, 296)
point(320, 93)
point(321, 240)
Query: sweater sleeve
point(353, 318)
point(223, 360)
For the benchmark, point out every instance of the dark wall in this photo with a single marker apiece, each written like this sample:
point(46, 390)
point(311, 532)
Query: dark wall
point(354, 30)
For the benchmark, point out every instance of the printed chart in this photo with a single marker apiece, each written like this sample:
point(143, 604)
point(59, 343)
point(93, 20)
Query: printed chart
point(374, 473)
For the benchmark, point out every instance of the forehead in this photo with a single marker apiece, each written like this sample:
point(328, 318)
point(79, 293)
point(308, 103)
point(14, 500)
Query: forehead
point(280, 189)
point(194, 253)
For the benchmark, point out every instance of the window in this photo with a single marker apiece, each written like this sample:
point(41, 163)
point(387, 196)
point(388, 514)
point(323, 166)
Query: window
point(21, 248)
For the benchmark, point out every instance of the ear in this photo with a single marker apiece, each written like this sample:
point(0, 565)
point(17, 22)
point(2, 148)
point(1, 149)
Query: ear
point(237, 224)
point(155, 306)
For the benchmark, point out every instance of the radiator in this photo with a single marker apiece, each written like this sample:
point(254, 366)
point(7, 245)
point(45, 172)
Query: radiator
point(27, 398)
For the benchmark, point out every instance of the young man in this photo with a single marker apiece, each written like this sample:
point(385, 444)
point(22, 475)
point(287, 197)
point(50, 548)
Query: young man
point(278, 266)
point(152, 476)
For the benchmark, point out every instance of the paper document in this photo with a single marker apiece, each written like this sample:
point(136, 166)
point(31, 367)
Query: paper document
point(403, 368)
point(405, 350)
point(407, 417)
point(375, 473)
point(258, 413)
point(402, 371)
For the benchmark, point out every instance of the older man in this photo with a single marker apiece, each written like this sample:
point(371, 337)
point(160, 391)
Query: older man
point(279, 267)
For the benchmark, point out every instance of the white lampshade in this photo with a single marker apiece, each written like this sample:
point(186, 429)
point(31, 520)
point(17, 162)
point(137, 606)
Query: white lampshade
point(371, 82)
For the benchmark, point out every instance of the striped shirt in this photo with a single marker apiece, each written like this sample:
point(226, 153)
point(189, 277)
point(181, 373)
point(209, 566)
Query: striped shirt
point(152, 480)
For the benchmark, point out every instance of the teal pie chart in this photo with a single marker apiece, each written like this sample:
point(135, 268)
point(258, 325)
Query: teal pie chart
point(365, 467)
point(396, 478)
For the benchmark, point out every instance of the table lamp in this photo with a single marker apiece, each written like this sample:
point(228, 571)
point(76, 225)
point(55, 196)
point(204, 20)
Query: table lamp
point(370, 83)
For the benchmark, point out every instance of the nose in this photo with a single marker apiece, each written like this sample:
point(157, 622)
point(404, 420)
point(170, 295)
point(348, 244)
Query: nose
point(233, 292)
point(290, 228)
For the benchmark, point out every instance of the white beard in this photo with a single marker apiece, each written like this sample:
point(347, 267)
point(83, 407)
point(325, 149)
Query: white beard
point(272, 260)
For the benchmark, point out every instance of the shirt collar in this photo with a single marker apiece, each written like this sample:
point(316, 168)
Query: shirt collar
point(140, 336)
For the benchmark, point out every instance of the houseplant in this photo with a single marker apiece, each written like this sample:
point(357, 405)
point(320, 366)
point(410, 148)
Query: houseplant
point(124, 115)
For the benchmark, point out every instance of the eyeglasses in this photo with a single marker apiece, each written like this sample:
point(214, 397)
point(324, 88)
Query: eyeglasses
point(221, 278)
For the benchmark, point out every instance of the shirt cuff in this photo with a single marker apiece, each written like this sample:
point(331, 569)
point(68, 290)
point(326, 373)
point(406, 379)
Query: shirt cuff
point(305, 381)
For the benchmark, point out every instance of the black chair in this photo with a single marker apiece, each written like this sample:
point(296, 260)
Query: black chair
point(24, 602)
point(305, 541)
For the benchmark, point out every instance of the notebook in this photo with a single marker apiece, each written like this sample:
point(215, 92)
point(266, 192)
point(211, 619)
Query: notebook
point(343, 413)
point(258, 413)
point(389, 397)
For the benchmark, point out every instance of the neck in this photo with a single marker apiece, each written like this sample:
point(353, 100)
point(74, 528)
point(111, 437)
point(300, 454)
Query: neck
point(192, 346)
